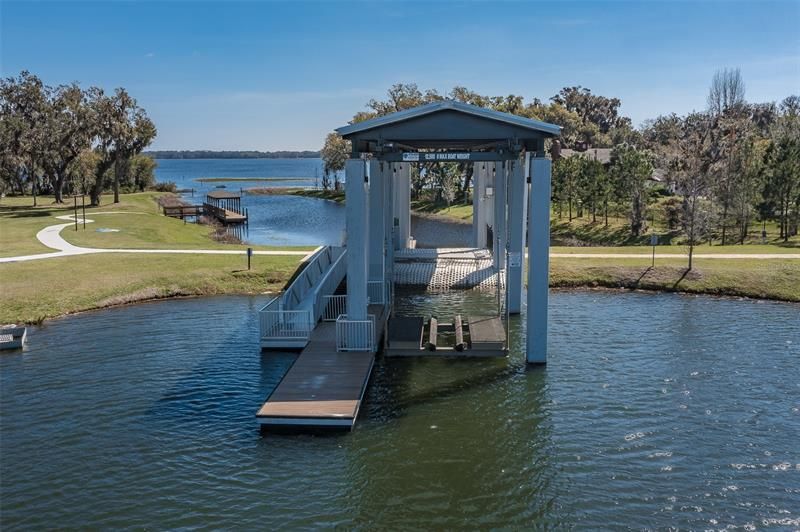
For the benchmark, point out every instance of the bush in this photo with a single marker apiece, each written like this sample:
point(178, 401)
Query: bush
point(169, 186)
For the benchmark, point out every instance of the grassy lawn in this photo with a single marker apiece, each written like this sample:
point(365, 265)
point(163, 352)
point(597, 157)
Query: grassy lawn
point(748, 249)
point(32, 291)
point(137, 218)
point(773, 279)
point(457, 212)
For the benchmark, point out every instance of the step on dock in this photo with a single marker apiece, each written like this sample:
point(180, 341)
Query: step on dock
point(324, 388)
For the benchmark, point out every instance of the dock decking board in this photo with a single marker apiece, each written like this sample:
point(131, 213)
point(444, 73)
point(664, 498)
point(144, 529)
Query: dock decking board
point(323, 386)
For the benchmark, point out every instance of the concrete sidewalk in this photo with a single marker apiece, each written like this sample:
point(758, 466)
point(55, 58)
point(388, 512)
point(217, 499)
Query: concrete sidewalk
point(51, 237)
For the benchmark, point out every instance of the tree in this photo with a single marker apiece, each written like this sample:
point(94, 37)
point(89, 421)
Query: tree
point(121, 129)
point(631, 168)
point(24, 106)
point(782, 180)
point(334, 157)
point(689, 171)
point(749, 182)
point(726, 92)
point(566, 173)
point(593, 109)
point(68, 134)
point(140, 173)
point(81, 172)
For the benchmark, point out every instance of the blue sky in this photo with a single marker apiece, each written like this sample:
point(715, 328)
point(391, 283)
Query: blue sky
point(280, 75)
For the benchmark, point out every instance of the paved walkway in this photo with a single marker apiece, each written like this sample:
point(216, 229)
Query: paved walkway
point(51, 237)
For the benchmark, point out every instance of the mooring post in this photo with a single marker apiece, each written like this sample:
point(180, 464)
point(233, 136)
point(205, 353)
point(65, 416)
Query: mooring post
point(538, 260)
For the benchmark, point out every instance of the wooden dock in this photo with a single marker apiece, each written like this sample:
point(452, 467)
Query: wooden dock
point(183, 211)
point(324, 388)
point(226, 216)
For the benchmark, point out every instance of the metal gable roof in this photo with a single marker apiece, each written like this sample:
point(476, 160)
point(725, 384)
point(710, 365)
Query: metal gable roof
point(450, 105)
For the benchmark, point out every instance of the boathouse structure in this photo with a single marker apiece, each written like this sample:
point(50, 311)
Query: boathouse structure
point(338, 311)
point(511, 192)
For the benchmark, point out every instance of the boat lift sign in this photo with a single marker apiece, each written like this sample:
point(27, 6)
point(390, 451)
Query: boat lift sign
point(417, 156)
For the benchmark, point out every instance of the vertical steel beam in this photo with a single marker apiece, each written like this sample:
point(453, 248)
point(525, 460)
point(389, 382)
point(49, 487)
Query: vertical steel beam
point(538, 261)
point(517, 207)
point(357, 192)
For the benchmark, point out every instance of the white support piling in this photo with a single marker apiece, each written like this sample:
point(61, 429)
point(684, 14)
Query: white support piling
point(388, 219)
point(500, 200)
point(402, 203)
point(357, 193)
point(538, 261)
point(479, 205)
point(517, 207)
point(377, 186)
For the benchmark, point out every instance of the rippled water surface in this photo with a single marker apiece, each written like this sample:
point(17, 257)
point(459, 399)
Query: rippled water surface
point(654, 411)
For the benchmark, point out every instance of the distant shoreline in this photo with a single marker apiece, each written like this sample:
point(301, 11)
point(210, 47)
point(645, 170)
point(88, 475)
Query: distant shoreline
point(225, 154)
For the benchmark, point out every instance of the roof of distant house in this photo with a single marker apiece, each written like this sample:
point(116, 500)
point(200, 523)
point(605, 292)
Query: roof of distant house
point(598, 154)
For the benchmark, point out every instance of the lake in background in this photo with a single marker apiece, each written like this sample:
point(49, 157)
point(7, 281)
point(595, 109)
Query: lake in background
point(274, 220)
point(654, 411)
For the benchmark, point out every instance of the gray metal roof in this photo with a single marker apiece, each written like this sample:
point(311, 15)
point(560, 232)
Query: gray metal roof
point(446, 124)
point(407, 114)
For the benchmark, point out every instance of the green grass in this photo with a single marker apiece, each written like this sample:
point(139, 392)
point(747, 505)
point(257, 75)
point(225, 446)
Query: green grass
point(36, 290)
point(457, 212)
point(749, 249)
point(137, 217)
point(763, 279)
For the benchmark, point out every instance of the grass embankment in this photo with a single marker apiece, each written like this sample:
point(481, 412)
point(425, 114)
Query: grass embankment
point(35, 290)
point(31, 291)
point(756, 278)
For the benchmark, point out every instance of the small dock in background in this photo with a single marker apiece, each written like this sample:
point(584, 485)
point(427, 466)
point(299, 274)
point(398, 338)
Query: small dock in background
point(223, 206)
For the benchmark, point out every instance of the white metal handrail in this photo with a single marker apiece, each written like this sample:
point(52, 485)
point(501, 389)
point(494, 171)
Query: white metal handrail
point(337, 272)
point(355, 335)
point(276, 323)
point(334, 306)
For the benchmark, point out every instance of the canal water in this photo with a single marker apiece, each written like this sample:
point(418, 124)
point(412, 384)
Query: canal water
point(655, 411)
